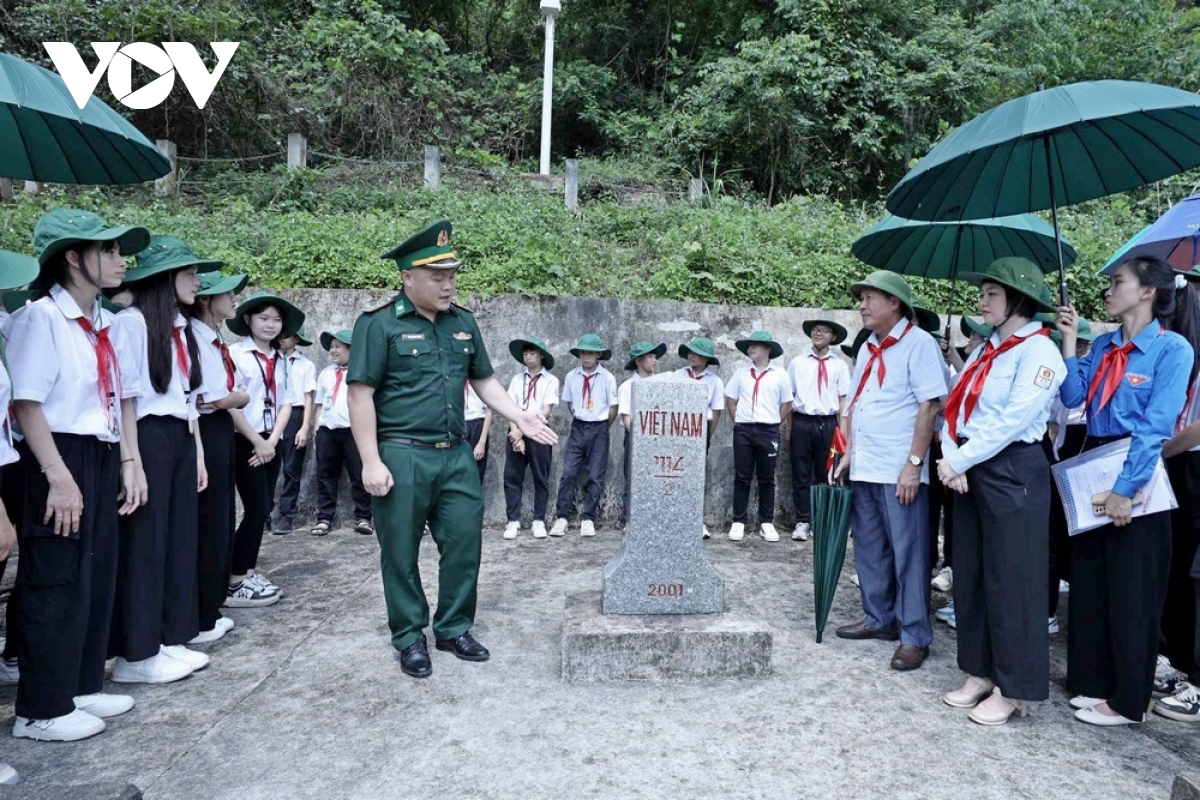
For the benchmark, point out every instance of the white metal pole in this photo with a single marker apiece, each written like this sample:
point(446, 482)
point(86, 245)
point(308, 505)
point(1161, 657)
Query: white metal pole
point(547, 91)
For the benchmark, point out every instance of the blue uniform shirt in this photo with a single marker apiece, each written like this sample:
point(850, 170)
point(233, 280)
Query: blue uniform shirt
point(1147, 402)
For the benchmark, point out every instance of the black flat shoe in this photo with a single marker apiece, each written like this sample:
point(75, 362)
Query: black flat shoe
point(465, 647)
point(414, 660)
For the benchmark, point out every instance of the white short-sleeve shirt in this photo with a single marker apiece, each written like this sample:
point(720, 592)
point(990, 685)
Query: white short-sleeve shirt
point(473, 405)
point(301, 376)
point(625, 395)
point(885, 417)
point(252, 363)
point(212, 363)
point(130, 334)
point(601, 397)
point(335, 411)
point(810, 395)
point(774, 388)
point(716, 387)
point(53, 362)
point(534, 395)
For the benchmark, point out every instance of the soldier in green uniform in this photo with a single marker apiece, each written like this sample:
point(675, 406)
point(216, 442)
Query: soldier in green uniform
point(410, 361)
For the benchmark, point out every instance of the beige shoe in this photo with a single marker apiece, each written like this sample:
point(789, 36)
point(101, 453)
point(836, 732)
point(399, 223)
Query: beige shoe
point(972, 692)
point(997, 709)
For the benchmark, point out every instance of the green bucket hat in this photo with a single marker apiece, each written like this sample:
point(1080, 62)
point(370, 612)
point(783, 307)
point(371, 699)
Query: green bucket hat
point(927, 320)
point(1192, 274)
point(641, 348)
point(19, 297)
point(701, 346)
point(165, 253)
point(1018, 274)
point(969, 326)
point(429, 247)
point(591, 342)
point(293, 318)
point(760, 337)
point(16, 269)
point(67, 227)
point(888, 283)
point(214, 283)
point(301, 339)
point(859, 340)
point(517, 348)
point(839, 333)
point(342, 336)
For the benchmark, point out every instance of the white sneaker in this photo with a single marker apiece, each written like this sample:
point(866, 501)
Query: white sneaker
point(706, 534)
point(539, 529)
point(104, 705)
point(10, 674)
point(204, 637)
point(226, 623)
point(802, 532)
point(1053, 625)
point(737, 531)
point(768, 532)
point(67, 728)
point(246, 595)
point(1064, 587)
point(263, 584)
point(1184, 705)
point(194, 659)
point(944, 581)
point(511, 530)
point(587, 528)
point(1166, 678)
point(158, 668)
point(560, 527)
point(8, 776)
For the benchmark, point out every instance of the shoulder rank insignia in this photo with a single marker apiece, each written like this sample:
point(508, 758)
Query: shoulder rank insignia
point(461, 307)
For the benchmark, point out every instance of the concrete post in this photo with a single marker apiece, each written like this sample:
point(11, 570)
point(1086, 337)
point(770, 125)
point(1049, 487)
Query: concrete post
point(297, 151)
point(696, 190)
point(33, 187)
point(6, 190)
point(572, 183)
point(166, 184)
point(433, 167)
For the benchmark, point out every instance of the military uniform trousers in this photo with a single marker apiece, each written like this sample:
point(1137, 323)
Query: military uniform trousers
point(157, 601)
point(217, 516)
point(1000, 565)
point(440, 485)
point(587, 452)
point(68, 583)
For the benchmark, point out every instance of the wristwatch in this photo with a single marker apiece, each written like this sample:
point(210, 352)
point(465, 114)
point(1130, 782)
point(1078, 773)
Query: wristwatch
point(916, 461)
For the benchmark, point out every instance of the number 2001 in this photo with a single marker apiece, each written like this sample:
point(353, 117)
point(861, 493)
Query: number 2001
point(665, 590)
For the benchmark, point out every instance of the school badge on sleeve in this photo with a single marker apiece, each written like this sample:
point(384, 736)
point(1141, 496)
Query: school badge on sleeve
point(1135, 379)
point(1045, 378)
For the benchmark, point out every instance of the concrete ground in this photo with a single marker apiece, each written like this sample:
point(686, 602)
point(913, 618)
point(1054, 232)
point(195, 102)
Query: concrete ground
point(306, 700)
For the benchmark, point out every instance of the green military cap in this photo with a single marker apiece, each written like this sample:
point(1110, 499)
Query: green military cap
point(760, 337)
point(427, 248)
point(591, 343)
point(859, 340)
point(701, 346)
point(839, 333)
point(62, 228)
point(969, 326)
point(165, 253)
point(214, 283)
point(889, 283)
point(293, 318)
point(16, 269)
point(342, 336)
point(1016, 274)
point(517, 348)
point(641, 348)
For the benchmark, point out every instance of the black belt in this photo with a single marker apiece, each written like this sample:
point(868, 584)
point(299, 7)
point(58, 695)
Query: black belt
point(578, 421)
point(438, 445)
point(814, 416)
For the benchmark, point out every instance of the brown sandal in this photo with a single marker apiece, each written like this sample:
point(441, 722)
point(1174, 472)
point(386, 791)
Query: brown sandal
point(320, 529)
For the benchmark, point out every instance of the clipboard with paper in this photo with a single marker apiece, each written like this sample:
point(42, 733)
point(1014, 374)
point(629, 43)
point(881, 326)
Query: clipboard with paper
point(1092, 474)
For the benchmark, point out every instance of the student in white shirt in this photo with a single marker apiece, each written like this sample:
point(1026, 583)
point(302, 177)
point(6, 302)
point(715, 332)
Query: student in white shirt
point(896, 391)
point(591, 392)
point(223, 391)
point(335, 444)
point(293, 445)
point(156, 605)
point(478, 417)
point(643, 362)
point(759, 397)
point(820, 382)
point(75, 409)
point(262, 319)
point(995, 420)
point(701, 356)
point(533, 389)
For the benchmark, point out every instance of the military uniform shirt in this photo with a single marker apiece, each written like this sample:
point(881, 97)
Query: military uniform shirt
point(417, 368)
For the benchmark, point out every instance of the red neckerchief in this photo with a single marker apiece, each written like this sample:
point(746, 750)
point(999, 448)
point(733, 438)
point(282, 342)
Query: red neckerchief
point(228, 359)
point(530, 388)
point(877, 355)
point(587, 389)
point(822, 373)
point(966, 392)
point(181, 356)
point(757, 379)
point(1110, 373)
point(337, 382)
point(694, 376)
point(269, 375)
point(107, 373)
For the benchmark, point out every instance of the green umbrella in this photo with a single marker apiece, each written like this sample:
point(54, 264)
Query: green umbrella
point(44, 136)
point(1055, 147)
point(830, 530)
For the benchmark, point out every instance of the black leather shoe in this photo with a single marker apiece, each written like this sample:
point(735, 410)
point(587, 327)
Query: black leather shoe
point(414, 660)
point(465, 647)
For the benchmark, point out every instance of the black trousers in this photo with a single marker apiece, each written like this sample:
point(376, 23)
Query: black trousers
point(291, 464)
point(1060, 537)
point(474, 432)
point(536, 458)
point(627, 467)
point(217, 516)
point(1118, 583)
point(587, 450)
point(156, 574)
point(755, 455)
point(68, 583)
point(254, 486)
point(1000, 565)
point(13, 488)
point(941, 512)
point(1178, 641)
point(811, 438)
point(335, 449)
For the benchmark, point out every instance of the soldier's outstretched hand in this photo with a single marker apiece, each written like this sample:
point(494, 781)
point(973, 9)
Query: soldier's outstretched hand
point(534, 427)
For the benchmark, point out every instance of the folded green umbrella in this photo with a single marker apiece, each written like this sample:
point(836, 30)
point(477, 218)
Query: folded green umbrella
point(830, 531)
